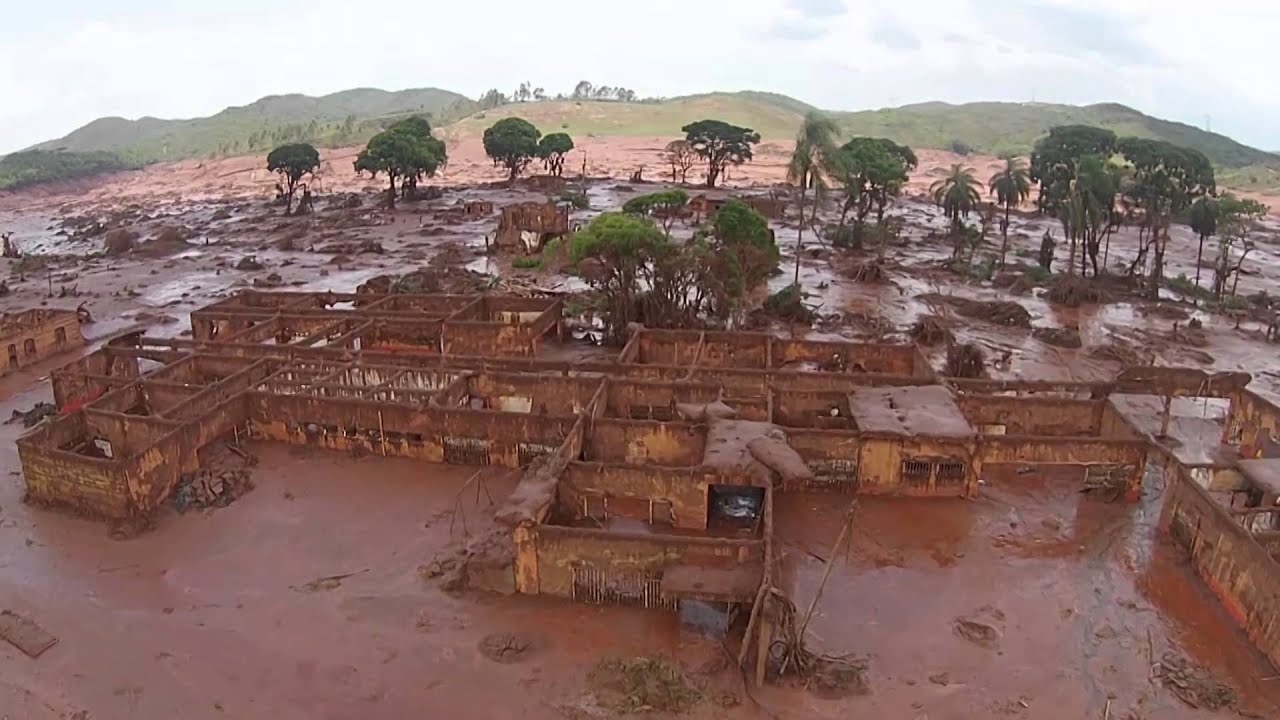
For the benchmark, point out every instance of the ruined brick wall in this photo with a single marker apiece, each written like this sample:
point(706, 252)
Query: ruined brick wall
point(1253, 424)
point(36, 335)
point(642, 442)
point(631, 491)
point(1034, 416)
point(59, 477)
point(916, 467)
point(558, 549)
point(1235, 567)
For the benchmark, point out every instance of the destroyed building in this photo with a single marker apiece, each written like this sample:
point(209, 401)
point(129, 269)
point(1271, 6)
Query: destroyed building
point(30, 336)
point(525, 227)
point(649, 478)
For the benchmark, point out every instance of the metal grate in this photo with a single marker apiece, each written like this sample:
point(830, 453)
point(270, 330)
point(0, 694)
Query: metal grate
point(633, 588)
point(916, 472)
point(651, 412)
point(952, 473)
point(466, 451)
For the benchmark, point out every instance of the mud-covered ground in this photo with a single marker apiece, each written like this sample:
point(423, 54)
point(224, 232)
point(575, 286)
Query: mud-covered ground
point(230, 614)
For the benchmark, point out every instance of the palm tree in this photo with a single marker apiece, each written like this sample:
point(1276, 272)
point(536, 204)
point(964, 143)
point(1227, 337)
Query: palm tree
point(815, 146)
point(1011, 186)
point(1204, 221)
point(957, 195)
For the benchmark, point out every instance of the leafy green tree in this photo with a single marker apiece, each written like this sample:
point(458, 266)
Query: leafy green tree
point(745, 251)
point(1204, 222)
point(1011, 185)
point(620, 248)
point(872, 170)
point(403, 153)
point(552, 149)
point(1085, 212)
point(1054, 159)
point(815, 146)
point(492, 99)
point(1167, 179)
point(291, 162)
point(720, 145)
point(665, 205)
point(511, 143)
point(958, 195)
point(436, 156)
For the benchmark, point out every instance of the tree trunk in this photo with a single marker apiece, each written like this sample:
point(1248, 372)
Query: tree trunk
point(1004, 234)
point(804, 189)
point(288, 200)
point(511, 179)
point(1199, 259)
point(391, 198)
point(1157, 265)
point(884, 232)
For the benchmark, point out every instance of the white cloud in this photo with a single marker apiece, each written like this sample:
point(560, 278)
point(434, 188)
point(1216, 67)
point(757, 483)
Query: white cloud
point(1171, 58)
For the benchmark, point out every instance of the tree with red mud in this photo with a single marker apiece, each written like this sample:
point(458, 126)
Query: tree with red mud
point(291, 162)
point(681, 157)
point(720, 145)
point(405, 151)
point(1167, 179)
point(512, 143)
point(1237, 217)
point(815, 147)
point(957, 194)
point(552, 149)
point(872, 170)
point(1204, 222)
point(1011, 185)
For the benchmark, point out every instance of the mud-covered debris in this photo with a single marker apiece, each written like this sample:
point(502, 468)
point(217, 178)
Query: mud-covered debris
point(170, 239)
point(427, 280)
point(1192, 684)
point(930, 330)
point(643, 685)
point(507, 647)
point(220, 214)
point(1122, 351)
point(32, 417)
point(271, 281)
point(250, 263)
point(209, 488)
point(353, 247)
point(788, 305)
point(965, 360)
point(871, 272)
point(344, 201)
point(1074, 291)
point(978, 633)
point(1058, 337)
point(999, 312)
point(119, 241)
point(25, 634)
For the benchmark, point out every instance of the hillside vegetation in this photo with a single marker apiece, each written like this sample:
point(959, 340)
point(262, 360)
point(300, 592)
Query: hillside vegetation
point(34, 167)
point(344, 118)
point(351, 117)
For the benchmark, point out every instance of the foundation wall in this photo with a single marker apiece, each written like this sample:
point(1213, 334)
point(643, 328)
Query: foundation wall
point(916, 467)
point(36, 335)
point(1033, 416)
point(1253, 424)
point(90, 485)
point(1235, 567)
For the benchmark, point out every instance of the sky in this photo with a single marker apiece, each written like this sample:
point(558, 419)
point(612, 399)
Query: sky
point(64, 63)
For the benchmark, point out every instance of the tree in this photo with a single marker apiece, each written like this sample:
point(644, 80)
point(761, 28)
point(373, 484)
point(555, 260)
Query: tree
point(957, 195)
point(621, 247)
point(720, 145)
point(681, 156)
point(745, 254)
point(539, 94)
point(665, 205)
point(1204, 222)
point(1085, 213)
point(1237, 217)
point(511, 143)
point(492, 99)
point(402, 151)
point(872, 170)
point(552, 149)
point(1011, 185)
point(582, 91)
point(1167, 179)
point(1054, 159)
point(815, 146)
point(291, 162)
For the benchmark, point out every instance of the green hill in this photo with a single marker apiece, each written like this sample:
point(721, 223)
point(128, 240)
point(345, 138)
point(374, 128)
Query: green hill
point(346, 117)
point(353, 116)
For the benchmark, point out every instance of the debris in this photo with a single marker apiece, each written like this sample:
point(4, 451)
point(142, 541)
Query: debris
point(965, 361)
point(1067, 337)
point(24, 634)
point(871, 272)
point(1192, 683)
point(273, 280)
point(1000, 312)
point(250, 263)
point(119, 241)
point(506, 647)
point(209, 488)
point(328, 582)
point(1073, 291)
point(930, 330)
point(978, 633)
point(32, 417)
point(788, 305)
point(642, 685)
